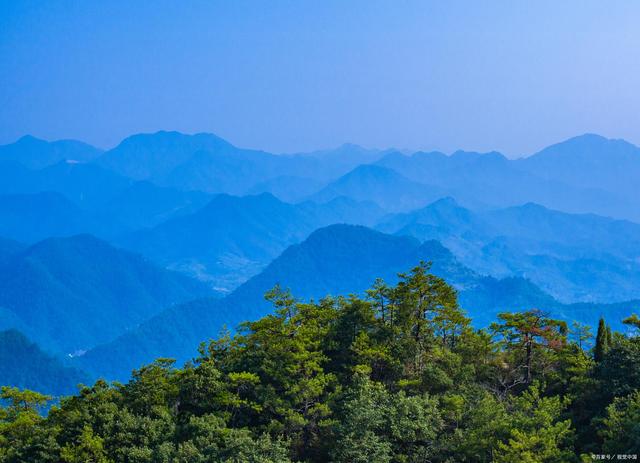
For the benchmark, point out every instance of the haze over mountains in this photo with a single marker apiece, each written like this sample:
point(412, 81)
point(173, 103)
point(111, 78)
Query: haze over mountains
point(146, 249)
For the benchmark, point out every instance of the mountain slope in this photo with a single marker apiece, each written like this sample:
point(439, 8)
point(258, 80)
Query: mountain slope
point(32, 217)
point(34, 153)
point(233, 238)
point(24, 365)
point(575, 257)
point(481, 180)
point(85, 184)
point(333, 260)
point(143, 205)
point(338, 259)
point(8, 248)
point(381, 185)
point(72, 293)
point(589, 161)
point(154, 156)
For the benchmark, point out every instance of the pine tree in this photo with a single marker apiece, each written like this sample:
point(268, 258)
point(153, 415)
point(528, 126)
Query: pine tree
point(602, 341)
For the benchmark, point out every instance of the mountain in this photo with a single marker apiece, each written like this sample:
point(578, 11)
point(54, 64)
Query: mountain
point(69, 294)
point(344, 258)
point(337, 260)
point(87, 185)
point(206, 162)
point(287, 188)
point(333, 260)
point(8, 248)
point(24, 365)
point(33, 217)
point(233, 238)
point(574, 257)
point(381, 185)
point(154, 156)
point(489, 180)
point(34, 153)
point(343, 158)
point(590, 161)
point(143, 205)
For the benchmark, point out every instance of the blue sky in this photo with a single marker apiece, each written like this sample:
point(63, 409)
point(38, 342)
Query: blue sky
point(296, 76)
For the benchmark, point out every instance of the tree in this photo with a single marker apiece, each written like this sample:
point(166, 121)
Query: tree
point(398, 377)
point(526, 336)
point(633, 321)
point(426, 307)
point(620, 430)
point(602, 341)
point(20, 437)
point(581, 334)
point(377, 426)
point(538, 434)
point(87, 449)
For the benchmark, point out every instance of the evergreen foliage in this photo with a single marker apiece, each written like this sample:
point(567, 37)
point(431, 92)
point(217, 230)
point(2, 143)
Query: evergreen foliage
point(399, 376)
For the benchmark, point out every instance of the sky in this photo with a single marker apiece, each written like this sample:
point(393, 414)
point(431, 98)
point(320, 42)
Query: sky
point(289, 76)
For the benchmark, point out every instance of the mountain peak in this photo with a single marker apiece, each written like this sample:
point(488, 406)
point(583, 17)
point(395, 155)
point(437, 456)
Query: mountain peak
point(30, 139)
point(373, 171)
point(172, 137)
point(445, 202)
point(589, 145)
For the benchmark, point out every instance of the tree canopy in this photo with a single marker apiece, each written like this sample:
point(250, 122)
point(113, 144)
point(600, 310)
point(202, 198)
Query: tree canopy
point(400, 375)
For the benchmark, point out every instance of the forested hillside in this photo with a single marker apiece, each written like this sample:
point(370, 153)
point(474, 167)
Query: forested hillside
point(69, 294)
point(214, 212)
point(24, 365)
point(397, 376)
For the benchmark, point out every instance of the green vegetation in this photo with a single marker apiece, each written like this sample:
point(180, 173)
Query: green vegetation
point(400, 376)
point(23, 364)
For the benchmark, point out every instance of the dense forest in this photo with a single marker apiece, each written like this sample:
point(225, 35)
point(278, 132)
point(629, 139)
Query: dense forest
point(398, 376)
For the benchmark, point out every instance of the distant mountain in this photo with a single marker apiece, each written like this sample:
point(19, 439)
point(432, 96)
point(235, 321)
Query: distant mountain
point(155, 156)
point(208, 163)
point(34, 153)
point(33, 217)
point(144, 205)
point(572, 256)
point(233, 238)
point(24, 365)
point(87, 185)
point(589, 161)
point(343, 210)
point(69, 294)
point(336, 260)
point(584, 174)
point(489, 180)
point(343, 259)
point(8, 248)
point(287, 188)
point(345, 157)
point(381, 185)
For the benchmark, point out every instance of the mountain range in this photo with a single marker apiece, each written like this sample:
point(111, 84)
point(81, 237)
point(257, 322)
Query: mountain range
point(23, 364)
point(69, 294)
point(233, 238)
point(117, 257)
point(575, 257)
point(335, 260)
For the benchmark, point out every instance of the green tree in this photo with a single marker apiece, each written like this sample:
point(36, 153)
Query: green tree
point(602, 341)
point(377, 426)
point(87, 449)
point(620, 430)
point(528, 337)
point(538, 434)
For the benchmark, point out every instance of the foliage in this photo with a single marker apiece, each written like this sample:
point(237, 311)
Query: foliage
point(398, 377)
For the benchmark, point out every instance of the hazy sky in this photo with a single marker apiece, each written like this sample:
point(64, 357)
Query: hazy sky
point(290, 76)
